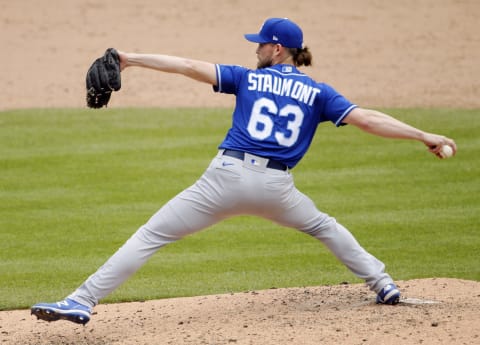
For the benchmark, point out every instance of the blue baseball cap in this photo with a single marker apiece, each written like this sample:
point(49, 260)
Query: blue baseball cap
point(279, 30)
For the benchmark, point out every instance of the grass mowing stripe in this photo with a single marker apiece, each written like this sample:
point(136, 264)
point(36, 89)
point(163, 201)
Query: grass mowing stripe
point(75, 184)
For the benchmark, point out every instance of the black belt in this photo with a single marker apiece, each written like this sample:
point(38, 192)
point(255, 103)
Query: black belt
point(241, 155)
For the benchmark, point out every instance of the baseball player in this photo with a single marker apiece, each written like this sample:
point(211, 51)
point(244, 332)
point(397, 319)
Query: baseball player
point(277, 111)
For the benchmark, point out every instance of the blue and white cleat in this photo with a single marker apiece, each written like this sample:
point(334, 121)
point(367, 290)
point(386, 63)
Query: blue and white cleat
point(388, 295)
point(63, 310)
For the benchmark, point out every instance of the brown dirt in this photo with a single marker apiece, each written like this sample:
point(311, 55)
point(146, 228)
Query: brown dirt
point(433, 311)
point(378, 53)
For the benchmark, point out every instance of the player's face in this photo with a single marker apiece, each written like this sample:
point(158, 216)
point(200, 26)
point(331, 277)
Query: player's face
point(265, 55)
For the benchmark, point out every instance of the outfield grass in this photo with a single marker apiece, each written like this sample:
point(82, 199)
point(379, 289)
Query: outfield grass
point(75, 184)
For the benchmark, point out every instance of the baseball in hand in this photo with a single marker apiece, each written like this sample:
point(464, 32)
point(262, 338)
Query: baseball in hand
point(446, 151)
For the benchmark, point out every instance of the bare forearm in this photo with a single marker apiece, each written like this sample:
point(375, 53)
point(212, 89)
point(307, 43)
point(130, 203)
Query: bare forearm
point(384, 125)
point(195, 69)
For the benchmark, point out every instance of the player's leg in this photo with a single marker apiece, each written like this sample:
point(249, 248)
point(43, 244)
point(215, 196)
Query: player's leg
point(181, 216)
point(194, 209)
point(137, 250)
point(294, 209)
point(197, 207)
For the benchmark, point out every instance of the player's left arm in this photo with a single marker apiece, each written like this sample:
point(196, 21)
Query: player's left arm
point(383, 125)
point(195, 69)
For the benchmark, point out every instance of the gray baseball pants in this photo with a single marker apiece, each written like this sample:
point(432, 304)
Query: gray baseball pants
point(232, 187)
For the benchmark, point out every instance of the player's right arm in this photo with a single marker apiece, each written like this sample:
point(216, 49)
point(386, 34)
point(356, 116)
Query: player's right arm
point(380, 124)
point(195, 69)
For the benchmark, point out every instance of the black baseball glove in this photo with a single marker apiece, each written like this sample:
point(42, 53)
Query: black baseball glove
point(103, 77)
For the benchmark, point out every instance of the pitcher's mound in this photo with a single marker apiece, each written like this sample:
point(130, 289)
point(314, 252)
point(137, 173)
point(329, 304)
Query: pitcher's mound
point(432, 311)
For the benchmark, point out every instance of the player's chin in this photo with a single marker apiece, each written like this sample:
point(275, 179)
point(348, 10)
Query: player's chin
point(264, 63)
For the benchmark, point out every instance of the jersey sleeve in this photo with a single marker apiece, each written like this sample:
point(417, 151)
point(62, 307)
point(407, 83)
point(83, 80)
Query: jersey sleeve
point(336, 107)
point(228, 78)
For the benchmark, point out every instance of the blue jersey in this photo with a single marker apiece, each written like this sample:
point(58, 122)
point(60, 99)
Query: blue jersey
point(277, 110)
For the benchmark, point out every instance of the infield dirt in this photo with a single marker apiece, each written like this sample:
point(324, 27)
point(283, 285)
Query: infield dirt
point(378, 53)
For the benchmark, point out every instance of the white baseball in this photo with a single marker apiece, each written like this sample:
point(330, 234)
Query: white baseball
point(446, 151)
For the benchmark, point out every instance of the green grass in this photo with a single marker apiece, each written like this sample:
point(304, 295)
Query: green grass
point(75, 184)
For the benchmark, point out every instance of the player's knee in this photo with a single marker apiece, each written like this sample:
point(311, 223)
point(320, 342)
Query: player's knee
point(320, 226)
point(156, 237)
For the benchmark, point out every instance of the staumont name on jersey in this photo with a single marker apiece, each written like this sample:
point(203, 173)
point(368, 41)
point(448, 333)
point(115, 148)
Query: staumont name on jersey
point(282, 87)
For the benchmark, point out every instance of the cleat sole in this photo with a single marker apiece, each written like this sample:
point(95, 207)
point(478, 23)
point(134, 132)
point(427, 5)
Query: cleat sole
point(50, 315)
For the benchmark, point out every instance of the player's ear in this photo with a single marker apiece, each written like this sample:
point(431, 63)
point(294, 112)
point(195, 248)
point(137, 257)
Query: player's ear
point(278, 49)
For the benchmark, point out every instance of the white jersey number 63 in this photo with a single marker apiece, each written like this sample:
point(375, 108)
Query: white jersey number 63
point(263, 132)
